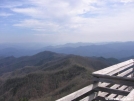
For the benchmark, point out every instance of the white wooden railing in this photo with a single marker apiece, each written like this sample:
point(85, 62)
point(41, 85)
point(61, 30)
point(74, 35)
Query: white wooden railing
point(112, 83)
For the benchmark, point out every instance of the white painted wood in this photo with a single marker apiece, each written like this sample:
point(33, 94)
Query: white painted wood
point(120, 96)
point(115, 79)
point(89, 98)
point(113, 95)
point(107, 71)
point(115, 67)
point(119, 69)
point(126, 72)
point(122, 74)
point(113, 91)
point(103, 94)
point(130, 96)
point(78, 93)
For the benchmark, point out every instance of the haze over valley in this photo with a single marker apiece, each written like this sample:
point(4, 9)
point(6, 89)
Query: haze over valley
point(108, 50)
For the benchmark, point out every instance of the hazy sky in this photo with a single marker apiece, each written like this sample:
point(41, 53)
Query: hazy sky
point(65, 21)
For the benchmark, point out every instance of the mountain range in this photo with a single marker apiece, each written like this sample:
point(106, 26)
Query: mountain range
point(46, 76)
point(114, 49)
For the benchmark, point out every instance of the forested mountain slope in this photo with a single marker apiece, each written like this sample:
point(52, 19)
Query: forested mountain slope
point(46, 76)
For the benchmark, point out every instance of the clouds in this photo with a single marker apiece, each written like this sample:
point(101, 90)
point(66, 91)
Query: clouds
point(71, 20)
point(37, 25)
point(5, 14)
point(32, 12)
point(60, 14)
point(127, 1)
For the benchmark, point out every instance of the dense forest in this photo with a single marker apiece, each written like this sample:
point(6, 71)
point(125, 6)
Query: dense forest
point(46, 76)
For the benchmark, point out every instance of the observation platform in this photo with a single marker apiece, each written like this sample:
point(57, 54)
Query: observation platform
point(114, 83)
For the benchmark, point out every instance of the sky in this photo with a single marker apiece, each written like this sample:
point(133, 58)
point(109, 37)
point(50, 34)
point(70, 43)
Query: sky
point(66, 21)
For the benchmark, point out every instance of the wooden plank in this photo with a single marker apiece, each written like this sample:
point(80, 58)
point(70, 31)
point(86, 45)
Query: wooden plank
point(115, 67)
point(114, 95)
point(90, 97)
point(115, 79)
point(129, 88)
point(115, 91)
point(99, 98)
point(129, 97)
point(103, 94)
point(126, 73)
point(122, 74)
point(121, 96)
point(120, 70)
point(78, 93)
point(84, 95)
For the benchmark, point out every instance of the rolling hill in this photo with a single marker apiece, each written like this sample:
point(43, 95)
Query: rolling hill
point(46, 76)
